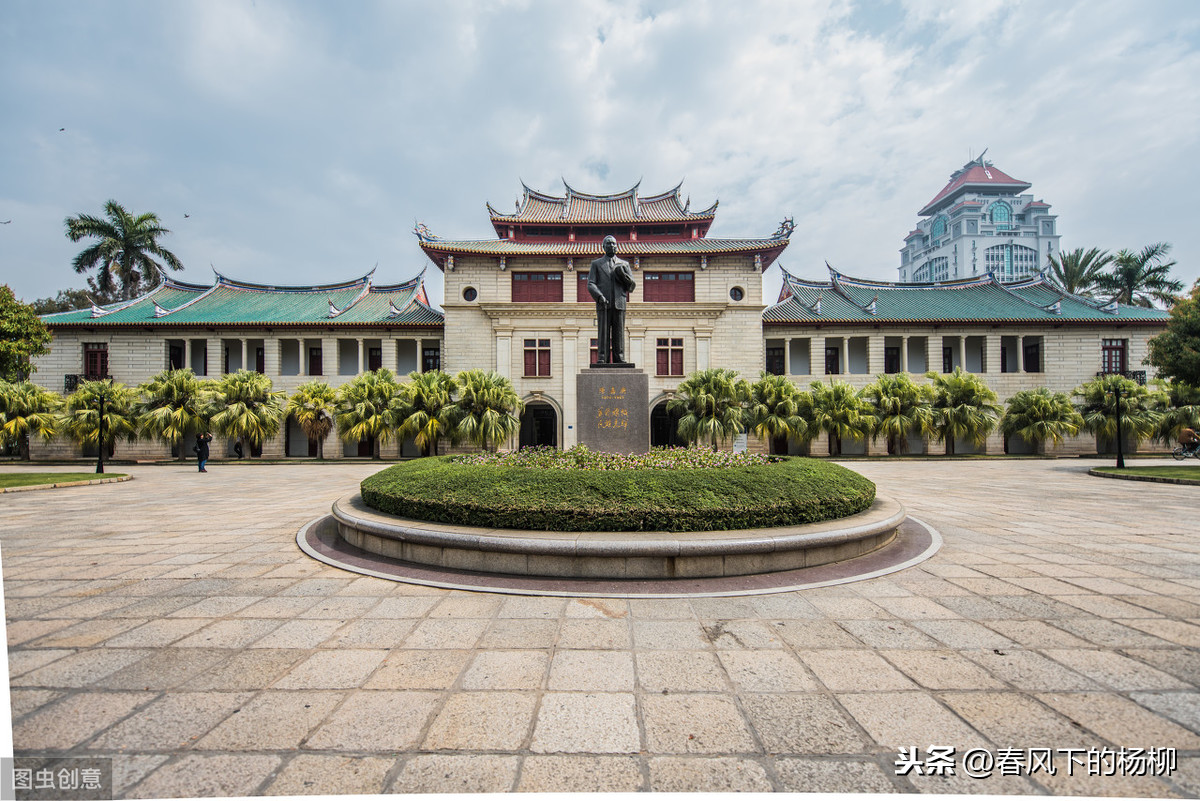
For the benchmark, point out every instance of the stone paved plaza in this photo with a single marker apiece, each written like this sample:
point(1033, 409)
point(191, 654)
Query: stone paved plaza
point(171, 622)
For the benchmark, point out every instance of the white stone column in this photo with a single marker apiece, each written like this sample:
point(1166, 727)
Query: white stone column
point(570, 367)
point(245, 351)
point(503, 352)
point(635, 351)
point(302, 349)
point(387, 354)
point(214, 357)
point(991, 354)
point(844, 357)
point(331, 358)
point(816, 356)
point(271, 358)
point(962, 351)
point(787, 355)
point(362, 362)
point(703, 348)
point(904, 354)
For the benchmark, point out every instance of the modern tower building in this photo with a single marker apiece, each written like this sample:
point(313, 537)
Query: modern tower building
point(980, 223)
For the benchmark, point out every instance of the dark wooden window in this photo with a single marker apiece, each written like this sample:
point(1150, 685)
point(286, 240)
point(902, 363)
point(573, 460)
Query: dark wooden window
point(669, 356)
point(891, 359)
point(1004, 368)
point(668, 287)
point(431, 359)
point(594, 351)
point(1032, 352)
point(947, 360)
point(260, 364)
point(374, 358)
point(581, 291)
point(225, 356)
point(175, 357)
point(95, 360)
point(314, 361)
point(537, 287)
point(775, 361)
point(833, 360)
point(1113, 353)
point(537, 357)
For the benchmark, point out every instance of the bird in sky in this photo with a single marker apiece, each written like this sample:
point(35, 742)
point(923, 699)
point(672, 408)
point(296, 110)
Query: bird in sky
point(61, 130)
point(185, 216)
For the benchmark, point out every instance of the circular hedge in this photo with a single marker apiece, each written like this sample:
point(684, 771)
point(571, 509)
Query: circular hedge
point(773, 492)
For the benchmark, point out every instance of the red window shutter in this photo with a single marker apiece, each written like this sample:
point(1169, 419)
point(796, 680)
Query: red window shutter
point(543, 362)
point(663, 362)
point(581, 291)
point(676, 362)
point(530, 362)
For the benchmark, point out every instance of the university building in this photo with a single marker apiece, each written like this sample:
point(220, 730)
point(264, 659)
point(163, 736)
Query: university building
point(518, 304)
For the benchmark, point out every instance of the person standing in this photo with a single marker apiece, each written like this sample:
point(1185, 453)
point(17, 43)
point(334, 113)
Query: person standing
point(201, 449)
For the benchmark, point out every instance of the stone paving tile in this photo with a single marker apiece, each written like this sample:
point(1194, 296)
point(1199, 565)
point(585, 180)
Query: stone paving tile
point(1176, 631)
point(73, 720)
point(221, 775)
point(1033, 634)
point(748, 634)
point(1029, 670)
point(1182, 664)
point(801, 775)
point(610, 608)
point(669, 635)
point(901, 719)
point(244, 670)
point(24, 661)
point(456, 773)
point(1120, 721)
point(272, 720)
point(129, 769)
point(440, 634)
point(419, 670)
point(679, 671)
point(315, 774)
point(330, 670)
point(171, 722)
point(163, 669)
point(592, 723)
point(298, 634)
point(377, 720)
point(1010, 720)
point(1114, 670)
point(888, 634)
point(1181, 707)
point(229, 634)
point(482, 721)
point(806, 634)
point(608, 634)
point(391, 608)
point(520, 633)
point(370, 634)
point(580, 774)
point(772, 671)
point(963, 634)
point(707, 775)
point(80, 669)
point(524, 607)
point(604, 671)
point(513, 670)
point(695, 723)
point(941, 670)
point(22, 702)
point(802, 724)
point(844, 671)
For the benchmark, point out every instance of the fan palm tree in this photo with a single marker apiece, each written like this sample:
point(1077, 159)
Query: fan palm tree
point(488, 409)
point(80, 419)
point(1139, 279)
point(901, 407)
point(243, 405)
point(1098, 405)
point(710, 404)
point(27, 410)
point(1037, 415)
point(426, 410)
point(773, 410)
point(1077, 271)
point(365, 409)
point(126, 250)
point(839, 411)
point(964, 407)
point(313, 406)
point(1178, 405)
point(171, 407)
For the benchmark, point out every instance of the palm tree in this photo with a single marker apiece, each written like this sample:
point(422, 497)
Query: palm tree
point(313, 405)
point(1178, 405)
point(964, 407)
point(839, 411)
point(125, 251)
point(27, 410)
point(773, 410)
point(172, 405)
point(1138, 279)
point(80, 419)
point(245, 406)
point(426, 410)
point(1077, 271)
point(1098, 405)
point(710, 404)
point(901, 407)
point(488, 409)
point(365, 409)
point(1037, 415)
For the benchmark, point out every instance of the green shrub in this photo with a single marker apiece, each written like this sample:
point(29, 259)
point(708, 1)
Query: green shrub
point(783, 492)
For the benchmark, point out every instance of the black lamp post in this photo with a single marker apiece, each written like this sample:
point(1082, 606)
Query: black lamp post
point(1120, 438)
point(100, 437)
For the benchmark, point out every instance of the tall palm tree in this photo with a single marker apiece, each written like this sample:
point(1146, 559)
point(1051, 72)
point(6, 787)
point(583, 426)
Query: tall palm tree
point(839, 411)
point(1037, 415)
point(425, 408)
point(172, 406)
point(1098, 405)
point(773, 410)
point(80, 419)
point(27, 410)
point(710, 404)
point(313, 405)
point(1178, 404)
point(126, 250)
point(1139, 279)
point(365, 409)
point(901, 407)
point(488, 409)
point(964, 407)
point(1077, 271)
point(244, 405)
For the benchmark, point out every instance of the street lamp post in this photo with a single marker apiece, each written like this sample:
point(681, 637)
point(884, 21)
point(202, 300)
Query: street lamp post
point(1120, 438)
point(100, 437)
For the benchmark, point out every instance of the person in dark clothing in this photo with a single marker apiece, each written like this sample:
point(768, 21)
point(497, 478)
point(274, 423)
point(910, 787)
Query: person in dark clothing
point(201, 449)
point(237, 449)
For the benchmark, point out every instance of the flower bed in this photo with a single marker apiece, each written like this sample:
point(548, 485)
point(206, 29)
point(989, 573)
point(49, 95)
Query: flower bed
point(581, 490)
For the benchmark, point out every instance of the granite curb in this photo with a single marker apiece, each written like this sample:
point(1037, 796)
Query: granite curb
point(58, 484)
point(1156, 479)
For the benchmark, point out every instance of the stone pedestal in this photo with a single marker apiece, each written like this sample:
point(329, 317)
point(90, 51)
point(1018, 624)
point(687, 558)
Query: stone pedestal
point(614, 409)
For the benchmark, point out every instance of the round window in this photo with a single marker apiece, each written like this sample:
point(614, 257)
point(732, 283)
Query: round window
point(470, 294)
point(737, 293)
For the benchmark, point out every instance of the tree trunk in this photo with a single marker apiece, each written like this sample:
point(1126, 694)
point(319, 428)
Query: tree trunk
point(949, 446)
point(375, 447)
point(23, 448)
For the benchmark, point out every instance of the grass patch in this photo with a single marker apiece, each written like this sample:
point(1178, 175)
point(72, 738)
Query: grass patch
point(1167, 471)
point(31, 479)
point(774, 493)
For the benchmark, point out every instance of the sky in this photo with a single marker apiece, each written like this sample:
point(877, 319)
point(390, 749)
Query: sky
point(299, 142)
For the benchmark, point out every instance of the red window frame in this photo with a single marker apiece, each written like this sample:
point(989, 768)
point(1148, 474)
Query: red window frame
point(669, 287)
point(594, 351)
point(95, 360)
point(1113, 355)
point(537, 287)
point(581, 291)
point(537, 358)
point(668, 356)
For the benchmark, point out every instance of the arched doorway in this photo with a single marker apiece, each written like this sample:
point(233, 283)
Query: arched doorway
point(539, 425)
point(664, 428)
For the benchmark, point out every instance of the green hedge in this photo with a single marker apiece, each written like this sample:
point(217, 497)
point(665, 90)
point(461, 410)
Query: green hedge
point(783, 493)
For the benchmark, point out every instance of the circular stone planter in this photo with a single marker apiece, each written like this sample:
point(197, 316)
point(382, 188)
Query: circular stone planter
point(628, 555)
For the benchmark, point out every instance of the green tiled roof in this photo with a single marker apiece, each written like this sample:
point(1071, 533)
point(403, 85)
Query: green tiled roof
point(842, 299)
point(231, 302)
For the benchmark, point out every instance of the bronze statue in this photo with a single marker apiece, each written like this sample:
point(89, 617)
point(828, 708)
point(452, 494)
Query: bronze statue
point(608, 280)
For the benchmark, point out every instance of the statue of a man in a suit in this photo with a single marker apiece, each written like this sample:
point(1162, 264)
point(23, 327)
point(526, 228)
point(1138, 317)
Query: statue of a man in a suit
point(608, 280)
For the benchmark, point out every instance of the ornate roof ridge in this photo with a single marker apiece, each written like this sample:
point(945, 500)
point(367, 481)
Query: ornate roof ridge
point(631, 192)
point(165, 312)
point(248, 286)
